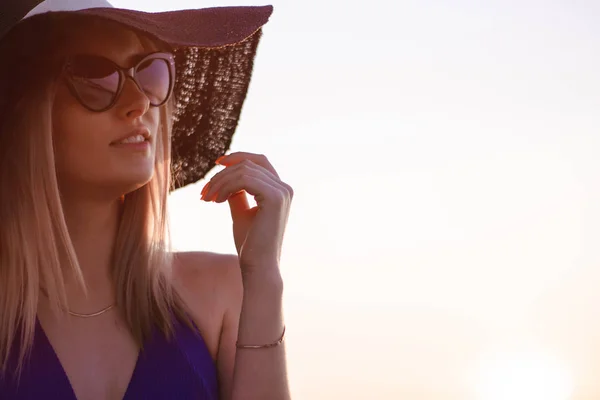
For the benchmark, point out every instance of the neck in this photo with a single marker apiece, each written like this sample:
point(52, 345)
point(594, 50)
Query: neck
point(92, 227)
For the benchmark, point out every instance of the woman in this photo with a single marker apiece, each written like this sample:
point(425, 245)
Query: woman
point(93, 304)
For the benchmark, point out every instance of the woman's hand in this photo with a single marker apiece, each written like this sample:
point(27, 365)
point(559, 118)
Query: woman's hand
point(258, 232)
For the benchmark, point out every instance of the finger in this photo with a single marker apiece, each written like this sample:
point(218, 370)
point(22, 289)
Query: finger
point(264, 191)
point(248, 168)
point(238, 204)
point(238, 157)
point(247, 163)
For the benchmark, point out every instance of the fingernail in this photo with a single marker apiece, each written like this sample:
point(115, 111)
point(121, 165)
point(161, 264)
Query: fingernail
point(220, 159)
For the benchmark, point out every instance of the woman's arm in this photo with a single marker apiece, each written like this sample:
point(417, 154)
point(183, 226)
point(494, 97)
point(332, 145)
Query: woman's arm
point(259, 373)
point(254, 317)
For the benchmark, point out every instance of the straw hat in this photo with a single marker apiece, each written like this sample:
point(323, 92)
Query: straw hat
point(214, 52)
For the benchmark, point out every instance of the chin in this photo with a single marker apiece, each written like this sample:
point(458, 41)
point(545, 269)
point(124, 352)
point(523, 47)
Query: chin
point(130, 182)
point(137, 182)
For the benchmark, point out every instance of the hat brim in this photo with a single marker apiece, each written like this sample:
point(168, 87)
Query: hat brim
point(208, 27)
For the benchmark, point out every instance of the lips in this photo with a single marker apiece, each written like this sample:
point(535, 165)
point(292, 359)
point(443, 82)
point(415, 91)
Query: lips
point(144, 132)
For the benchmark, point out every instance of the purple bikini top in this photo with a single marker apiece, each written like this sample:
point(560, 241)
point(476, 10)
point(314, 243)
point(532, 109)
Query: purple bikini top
point(181, 368)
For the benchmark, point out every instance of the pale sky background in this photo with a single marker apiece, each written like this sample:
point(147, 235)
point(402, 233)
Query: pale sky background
point(446, 162)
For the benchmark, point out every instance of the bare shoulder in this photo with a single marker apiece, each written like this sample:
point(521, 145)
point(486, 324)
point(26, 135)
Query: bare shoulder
point(206, 268)
point(209, 284)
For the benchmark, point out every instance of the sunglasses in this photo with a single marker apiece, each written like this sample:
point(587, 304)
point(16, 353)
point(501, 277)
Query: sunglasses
point(97, 82)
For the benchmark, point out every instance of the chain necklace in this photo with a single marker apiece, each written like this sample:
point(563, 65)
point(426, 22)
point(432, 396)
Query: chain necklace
point(92, 314)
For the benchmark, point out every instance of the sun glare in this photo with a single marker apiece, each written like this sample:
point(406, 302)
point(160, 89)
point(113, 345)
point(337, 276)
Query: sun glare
point(523, 376)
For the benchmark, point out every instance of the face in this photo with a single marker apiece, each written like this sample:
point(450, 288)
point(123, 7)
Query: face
point(89, 155)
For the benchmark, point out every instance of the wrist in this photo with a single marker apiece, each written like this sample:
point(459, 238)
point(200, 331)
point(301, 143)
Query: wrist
point(268, 272)
point(268, 283)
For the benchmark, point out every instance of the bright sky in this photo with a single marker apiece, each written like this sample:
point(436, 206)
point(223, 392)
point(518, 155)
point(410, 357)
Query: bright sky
point(443, 239)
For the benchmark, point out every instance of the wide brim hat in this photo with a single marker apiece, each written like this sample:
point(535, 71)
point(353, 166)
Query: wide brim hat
point(214, 52)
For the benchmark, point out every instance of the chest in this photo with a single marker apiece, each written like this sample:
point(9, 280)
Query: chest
point(179, 368)
point(98, 358)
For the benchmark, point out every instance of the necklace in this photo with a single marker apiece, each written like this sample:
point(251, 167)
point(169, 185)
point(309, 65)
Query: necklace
point(92, 314)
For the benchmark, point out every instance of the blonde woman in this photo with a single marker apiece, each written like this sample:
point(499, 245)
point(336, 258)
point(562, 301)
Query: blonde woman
point(99, 109)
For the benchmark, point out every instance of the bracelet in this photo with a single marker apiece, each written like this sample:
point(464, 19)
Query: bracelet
point(263, 346)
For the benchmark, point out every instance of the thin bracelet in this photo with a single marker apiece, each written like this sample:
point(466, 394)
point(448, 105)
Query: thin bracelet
point(263, 346)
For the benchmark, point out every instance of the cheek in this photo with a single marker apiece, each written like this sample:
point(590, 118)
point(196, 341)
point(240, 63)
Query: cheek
point(76, 132)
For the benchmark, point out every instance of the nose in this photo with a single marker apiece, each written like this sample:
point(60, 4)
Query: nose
point(133, 103)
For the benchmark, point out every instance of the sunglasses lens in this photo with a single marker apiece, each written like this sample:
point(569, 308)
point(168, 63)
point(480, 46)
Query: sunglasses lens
point(95, 80)
point(154, 77)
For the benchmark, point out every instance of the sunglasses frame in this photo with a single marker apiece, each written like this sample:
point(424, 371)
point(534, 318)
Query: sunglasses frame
point(124, 73)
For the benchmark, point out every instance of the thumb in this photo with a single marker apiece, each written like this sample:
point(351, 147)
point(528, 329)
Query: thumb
point(238, 204)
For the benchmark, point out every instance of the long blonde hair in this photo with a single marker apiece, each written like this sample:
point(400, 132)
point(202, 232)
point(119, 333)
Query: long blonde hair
point(35, 246)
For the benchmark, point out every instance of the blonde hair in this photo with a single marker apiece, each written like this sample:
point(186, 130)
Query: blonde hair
point(35, 246)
